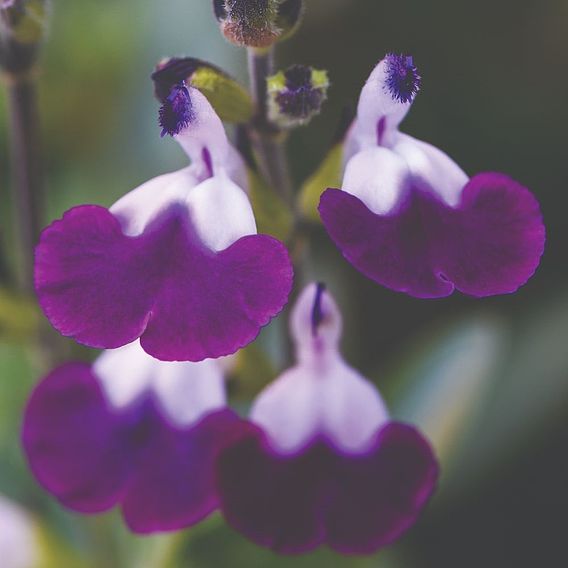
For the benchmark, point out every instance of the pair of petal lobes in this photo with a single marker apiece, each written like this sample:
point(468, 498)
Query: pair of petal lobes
point(186, 301)
point(490, 243)
point(93, 456)
point(354, 503)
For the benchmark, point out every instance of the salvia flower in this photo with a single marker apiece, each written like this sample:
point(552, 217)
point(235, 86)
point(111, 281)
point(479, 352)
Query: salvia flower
point(409, 218)
point(176, 262)
point(322, 462)
point(130, 431)
point(296, 95)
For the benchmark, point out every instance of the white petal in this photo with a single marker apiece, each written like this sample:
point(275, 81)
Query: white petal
point(307, 402)
point(376, 104)
point(189, 391)
point(124, 373)
point(19, 546)
point(184, 391)
point(218, 208)
point(220, 212)
point(378, 177)
point(431, 169)
point(138, 207)
point(321, 396)
point(323, 340)
point(205, 131)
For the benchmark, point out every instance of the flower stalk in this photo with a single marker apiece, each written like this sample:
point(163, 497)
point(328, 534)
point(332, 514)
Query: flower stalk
point(23, 27)
point(267, 138)
point(27, 170)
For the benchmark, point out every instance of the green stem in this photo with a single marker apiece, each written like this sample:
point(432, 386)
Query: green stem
point(27, 172)
point(267, 139)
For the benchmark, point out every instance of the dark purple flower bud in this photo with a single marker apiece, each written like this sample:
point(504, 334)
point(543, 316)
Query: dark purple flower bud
point(403, 81)
point(296, 95)
point(176, 112)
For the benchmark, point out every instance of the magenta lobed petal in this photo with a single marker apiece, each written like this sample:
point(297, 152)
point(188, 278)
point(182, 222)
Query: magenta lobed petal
point(185, 301)
point(92, 456)
point(491, 243)
point(354, 503)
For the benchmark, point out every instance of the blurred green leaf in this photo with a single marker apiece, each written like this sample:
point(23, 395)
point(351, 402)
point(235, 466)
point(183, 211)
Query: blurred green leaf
point(529, 393)
point(443, 388)
point(230, 100)
point(26, 20)
point(215, 545)
point(56, 553)
point(252, 371)
point(16, 379)
point(272, 215)
point(19, 317)
point(327, 175)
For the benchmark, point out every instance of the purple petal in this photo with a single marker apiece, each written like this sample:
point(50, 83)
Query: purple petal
point(355, 504)
point(490, 244)
point(186, 301)
point(92, 457)
point(174, 486)
point(78, 449)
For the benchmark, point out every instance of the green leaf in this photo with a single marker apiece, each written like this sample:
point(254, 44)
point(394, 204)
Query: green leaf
point(528, 395)
point(230, 100)
point(444, 388)
point(272, 215)
point(219, 546)
point(54, 552)
point(19, 317)
point(327, 175)
point(252, 371)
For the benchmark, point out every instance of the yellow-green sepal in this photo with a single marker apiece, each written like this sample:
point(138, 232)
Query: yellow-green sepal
point(327, 175)
point(19, 317)
point(230, 100)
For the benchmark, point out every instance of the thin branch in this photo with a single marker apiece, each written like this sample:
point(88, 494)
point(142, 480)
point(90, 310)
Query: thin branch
point(267, 139)
point(27, 171)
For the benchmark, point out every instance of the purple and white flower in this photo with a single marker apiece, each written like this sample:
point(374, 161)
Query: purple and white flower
point(408, 217)
point(131, 431)
point(177, 262)
point(322, 462)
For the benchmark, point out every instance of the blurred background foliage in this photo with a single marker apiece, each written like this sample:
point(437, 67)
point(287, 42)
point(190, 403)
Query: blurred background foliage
point(486, 379)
